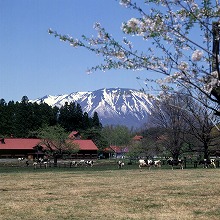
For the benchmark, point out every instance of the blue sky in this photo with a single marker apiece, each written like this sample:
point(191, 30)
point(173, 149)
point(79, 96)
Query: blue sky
point(34, 63)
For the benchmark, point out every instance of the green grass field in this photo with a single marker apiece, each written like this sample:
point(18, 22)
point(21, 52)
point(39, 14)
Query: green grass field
point(105, 192)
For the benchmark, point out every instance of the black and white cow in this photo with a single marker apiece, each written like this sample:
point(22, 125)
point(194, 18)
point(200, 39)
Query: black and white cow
point(149, 163)
point(20, 159)
point(73, 163)
point(176, 162)
point(89, 163)
point(157, 163)
point(86, 163)
point(41, 161)
point(120, 164)
point(207, 163)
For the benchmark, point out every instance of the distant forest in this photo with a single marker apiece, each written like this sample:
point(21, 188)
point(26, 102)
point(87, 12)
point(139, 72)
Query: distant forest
point(22, 119)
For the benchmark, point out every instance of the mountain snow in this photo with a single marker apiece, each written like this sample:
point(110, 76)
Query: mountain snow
point(114, 106)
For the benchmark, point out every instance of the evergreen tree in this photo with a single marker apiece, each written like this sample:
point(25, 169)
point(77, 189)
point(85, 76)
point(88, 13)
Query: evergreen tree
point(95, 121)
point(54, 116)
point(23, 118)
point(43, 115)
point(64, 116)
point(86, 121)
point(11, 118)
point(3, 117)
point(71, 116)
point(79, 116)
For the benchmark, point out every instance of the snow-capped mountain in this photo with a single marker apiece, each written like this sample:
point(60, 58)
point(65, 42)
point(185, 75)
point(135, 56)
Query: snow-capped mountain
point(114, 106)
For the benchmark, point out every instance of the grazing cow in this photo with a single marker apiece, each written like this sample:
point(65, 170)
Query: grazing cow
point(177, 162)
point(85, 162)
point(21, 159)
point(89, 163)
point(157, 163)
point(35, 164)
point(142, 163)
point(27, 163)
point(213, 163)
point(45, 162)
point(208, 163)
point(73, 163)
point(41, 161)
point(81, 163)
point(149, 163)
point(120, 164)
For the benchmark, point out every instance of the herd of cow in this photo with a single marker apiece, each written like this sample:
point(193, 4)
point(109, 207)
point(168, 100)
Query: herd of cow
point(44, 163)
point(142, 163)
point(173, 163)
point(178, 163)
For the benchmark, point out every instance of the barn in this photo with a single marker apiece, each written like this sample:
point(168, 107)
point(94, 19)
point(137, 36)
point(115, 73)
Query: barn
point(115, 152)
point(31, 148)
point(87, 150)
point(20, 147)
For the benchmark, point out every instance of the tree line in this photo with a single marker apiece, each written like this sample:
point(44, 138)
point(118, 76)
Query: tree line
point(23, 119)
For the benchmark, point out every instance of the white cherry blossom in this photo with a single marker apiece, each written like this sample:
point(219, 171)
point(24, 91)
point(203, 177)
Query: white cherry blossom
point(178, 43)
point(197, 55)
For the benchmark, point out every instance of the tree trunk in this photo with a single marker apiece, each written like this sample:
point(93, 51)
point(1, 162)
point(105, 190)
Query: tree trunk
point(206, 152)
point(215, 62)
point(55, 160)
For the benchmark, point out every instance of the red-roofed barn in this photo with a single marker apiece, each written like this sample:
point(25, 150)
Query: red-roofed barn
point(87, 149)
point(19, 147)
point(115, 151)
point(30, 148)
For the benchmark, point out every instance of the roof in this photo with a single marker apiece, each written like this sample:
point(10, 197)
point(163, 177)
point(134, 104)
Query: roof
point(137, 137)
point(19, 143)
point(86, 144)
point(74, 134)
point(117, 149)
point(28, 144)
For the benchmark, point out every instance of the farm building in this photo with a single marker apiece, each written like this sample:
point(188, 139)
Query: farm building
point(75, 135)
point(19, 147)
point(31, 148)
point(87, 150)
point(118, 151)
point(137, 138)
point(115, 151)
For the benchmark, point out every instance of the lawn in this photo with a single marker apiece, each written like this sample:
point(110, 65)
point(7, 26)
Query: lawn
point(91, 193)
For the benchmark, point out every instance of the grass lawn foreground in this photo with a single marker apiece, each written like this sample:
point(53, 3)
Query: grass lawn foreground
point(110, 194)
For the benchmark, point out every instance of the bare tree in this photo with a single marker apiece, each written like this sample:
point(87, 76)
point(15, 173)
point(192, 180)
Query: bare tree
point(188, 121)
point(201, 121)
point(166, 115)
